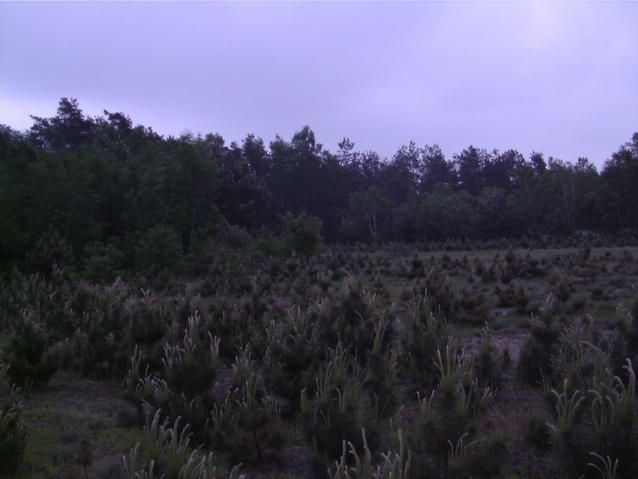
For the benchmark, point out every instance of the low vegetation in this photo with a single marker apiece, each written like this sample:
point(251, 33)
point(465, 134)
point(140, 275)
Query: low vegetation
point(350, 362)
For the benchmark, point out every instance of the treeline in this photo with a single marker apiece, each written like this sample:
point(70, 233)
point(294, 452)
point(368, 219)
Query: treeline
point(102, 181)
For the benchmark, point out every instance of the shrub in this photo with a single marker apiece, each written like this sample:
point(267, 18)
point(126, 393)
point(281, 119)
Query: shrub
point(515, 295)
point(12, 433)
point(190, 367)
point(625, 341)
point(332, 413)
point(439, 288)
point(302, 234)
point(599, 420)
point(421, 334)
point(535, 361)
point(472, 307)
point(51, 250)
point(160, 249)
point(169, 453)
point(538, 434)
point(488, 365)
point(450, 415)
point(292, 354)
point(247, 424)
point(482, 459)
point(383, 378)
point(103, 262)
point(351, 316)
point(27, 356)
point(395, 465)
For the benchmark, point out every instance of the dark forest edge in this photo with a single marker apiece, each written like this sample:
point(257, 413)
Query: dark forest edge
point(76, 187)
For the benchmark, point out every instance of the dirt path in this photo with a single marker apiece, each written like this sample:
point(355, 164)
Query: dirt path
point(511, 342)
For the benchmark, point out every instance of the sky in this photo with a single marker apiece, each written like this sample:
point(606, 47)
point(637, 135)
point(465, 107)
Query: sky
point(555, 77)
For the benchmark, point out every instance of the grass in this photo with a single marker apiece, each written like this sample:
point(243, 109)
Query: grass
point(68, 410)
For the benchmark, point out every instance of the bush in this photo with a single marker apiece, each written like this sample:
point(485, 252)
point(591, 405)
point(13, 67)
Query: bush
point(50, 250)
point(423, 332)
point(28, 358)
point(535, 361)
point(439, 288)
point(484, 458)
point(449, 416)
point(302, 234)
point(104, 262)
point(395, 464)
point(12, 433)
point(247, 424)
point(160, 249)
point(190, 367)
point(351, 317)
point(332, 413)
point(488, 364)
point(292, 355)
point(597, 420)
point(169, 452)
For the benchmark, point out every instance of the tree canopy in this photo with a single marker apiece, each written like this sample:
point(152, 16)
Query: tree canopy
point(105, 180)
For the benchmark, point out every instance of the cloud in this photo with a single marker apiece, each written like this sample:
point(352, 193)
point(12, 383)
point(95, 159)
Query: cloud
point(540, 75)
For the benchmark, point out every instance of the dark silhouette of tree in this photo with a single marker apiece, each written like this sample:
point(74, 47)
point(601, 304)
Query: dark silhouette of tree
point(105, 183)
point(587, 187)
point(619, 202)
point(538, 163)
point(68, 129)
point(369, 215)
point(399, 176)
point(499, 170)
point(243, 196)
point(470, 163)
point(435, 169)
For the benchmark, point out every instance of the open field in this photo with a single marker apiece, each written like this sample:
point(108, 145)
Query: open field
point(484, 363)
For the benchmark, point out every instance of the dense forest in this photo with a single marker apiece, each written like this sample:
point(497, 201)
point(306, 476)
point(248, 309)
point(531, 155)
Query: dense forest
point(101, 186)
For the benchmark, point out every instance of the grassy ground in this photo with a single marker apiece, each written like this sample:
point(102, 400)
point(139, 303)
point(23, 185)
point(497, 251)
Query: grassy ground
point(68, 411)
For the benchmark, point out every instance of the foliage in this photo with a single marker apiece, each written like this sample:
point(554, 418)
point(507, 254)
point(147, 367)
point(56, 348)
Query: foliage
point(488, 365)
point(169, 453)
point(292, 355)
point(103, 262)
point(302, 233)
point(103, 180)
point(421, 335)
point(535, 361)
point(395, 465)
point(160, 249)
point(27, 356)
point(13, 435)
point(247, 424)
point(606, 433)
point(52, 250)
point(450, 414)
point(332, 412)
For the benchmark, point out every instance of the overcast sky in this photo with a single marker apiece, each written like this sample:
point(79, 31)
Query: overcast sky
point(561, 78)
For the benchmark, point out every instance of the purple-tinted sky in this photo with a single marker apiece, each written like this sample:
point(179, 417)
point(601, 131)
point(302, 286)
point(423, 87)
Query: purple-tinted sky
point(561, 78)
